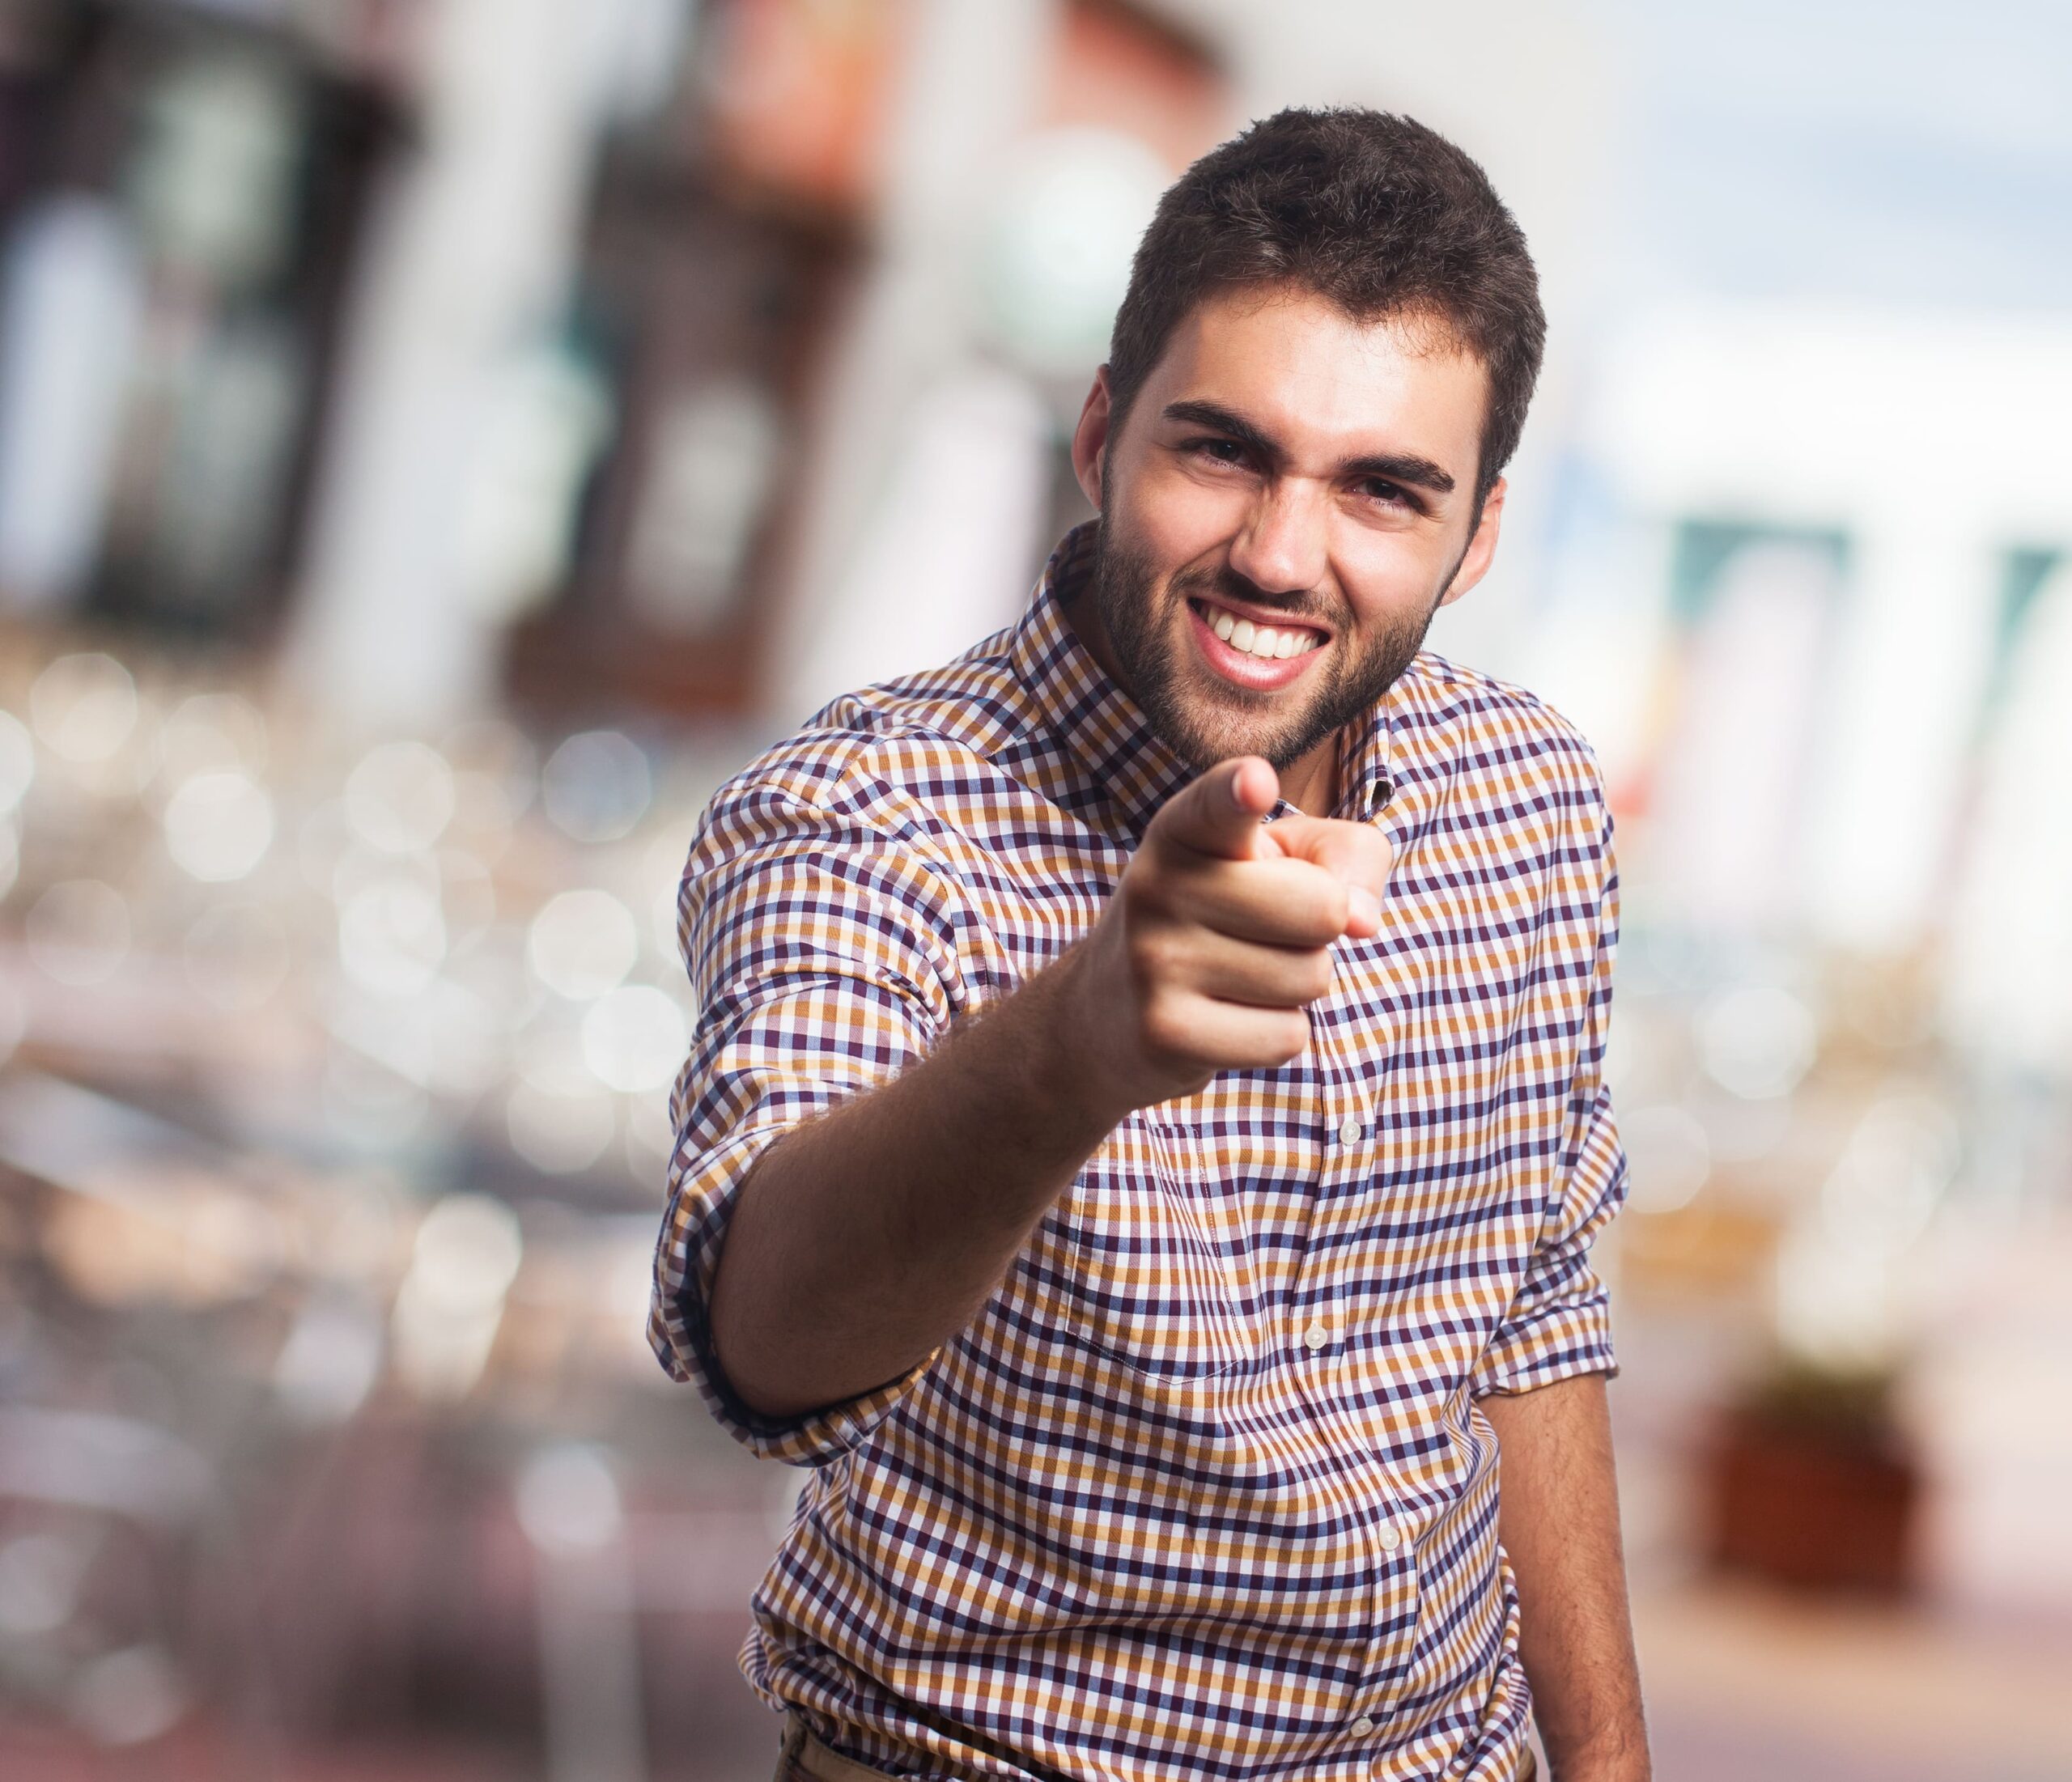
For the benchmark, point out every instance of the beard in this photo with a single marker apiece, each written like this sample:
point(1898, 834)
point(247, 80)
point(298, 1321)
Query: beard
point(1206, 723)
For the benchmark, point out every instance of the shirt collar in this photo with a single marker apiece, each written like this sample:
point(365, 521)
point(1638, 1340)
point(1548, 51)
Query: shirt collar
point(1108, 738)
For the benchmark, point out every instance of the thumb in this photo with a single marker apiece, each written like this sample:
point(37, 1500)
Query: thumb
point(1358, 855)
point(1218, 814)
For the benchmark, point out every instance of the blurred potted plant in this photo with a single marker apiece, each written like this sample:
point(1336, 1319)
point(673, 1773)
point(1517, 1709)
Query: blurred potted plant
point(1814, 1483)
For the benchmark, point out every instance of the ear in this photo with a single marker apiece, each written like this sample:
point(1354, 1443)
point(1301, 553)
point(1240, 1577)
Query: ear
point(1474, 561)
point(1090, 438)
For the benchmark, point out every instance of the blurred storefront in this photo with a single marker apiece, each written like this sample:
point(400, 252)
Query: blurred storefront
point(438, 439)
point(410, 417)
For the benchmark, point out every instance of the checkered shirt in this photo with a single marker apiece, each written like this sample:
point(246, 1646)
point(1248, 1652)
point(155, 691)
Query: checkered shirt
point(1204, 1489)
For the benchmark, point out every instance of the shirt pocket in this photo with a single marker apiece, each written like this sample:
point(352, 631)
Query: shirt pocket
point(1159, 1270)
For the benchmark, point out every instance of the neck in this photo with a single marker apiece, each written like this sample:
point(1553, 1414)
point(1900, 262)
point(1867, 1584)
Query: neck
point(1311, 784)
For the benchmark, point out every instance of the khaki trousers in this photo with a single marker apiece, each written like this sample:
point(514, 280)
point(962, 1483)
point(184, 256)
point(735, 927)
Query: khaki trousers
point(802, 1758)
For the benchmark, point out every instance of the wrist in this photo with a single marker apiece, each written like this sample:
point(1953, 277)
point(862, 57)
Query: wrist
point(1637, 1769)
point(1621, 1757)
point(1079, 1080)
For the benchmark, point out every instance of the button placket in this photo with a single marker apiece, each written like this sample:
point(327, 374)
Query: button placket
point(1396, 1587)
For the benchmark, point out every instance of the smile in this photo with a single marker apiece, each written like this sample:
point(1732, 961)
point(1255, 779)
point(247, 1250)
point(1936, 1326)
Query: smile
point(1244, 652)
point(1266, 641)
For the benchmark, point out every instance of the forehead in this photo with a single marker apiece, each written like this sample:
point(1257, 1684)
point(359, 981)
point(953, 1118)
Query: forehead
point(1323, 384)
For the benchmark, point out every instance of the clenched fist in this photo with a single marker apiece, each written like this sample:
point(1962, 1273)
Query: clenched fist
point(1219, 936)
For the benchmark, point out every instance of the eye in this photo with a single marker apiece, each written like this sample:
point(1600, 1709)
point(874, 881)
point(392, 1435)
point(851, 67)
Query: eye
point(1390, 495)
point(1217, 450)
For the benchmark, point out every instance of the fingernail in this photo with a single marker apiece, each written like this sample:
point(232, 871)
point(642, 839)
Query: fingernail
point(1365, 907)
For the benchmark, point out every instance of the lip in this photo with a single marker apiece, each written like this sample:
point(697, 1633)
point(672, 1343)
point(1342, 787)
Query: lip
point(1249, 671)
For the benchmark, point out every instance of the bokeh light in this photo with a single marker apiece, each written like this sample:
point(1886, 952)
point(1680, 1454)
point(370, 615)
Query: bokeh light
point(392, 938)
point(84, 707)
point(634, 1039)
point(1667, 1155)
point(1757, 1040)
point(596, 786)
point(400, 798)
point(581, 943)
point(212, 733)
point(17, 763)
point(219, 826)
point(560, 1134)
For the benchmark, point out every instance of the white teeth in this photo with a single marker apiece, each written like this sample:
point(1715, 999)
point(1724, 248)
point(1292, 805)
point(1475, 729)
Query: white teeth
point(1268, 643)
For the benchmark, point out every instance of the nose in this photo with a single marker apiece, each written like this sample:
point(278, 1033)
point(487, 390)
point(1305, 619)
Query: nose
point(1280, 549)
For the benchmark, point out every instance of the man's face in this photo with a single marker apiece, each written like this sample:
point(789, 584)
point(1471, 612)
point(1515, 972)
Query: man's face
point(1289, 481)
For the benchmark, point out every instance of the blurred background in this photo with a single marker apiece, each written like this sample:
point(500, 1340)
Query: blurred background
point(439, 439)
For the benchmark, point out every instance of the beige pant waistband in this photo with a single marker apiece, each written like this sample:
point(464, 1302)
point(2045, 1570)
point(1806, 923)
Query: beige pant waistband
point(804, 1753)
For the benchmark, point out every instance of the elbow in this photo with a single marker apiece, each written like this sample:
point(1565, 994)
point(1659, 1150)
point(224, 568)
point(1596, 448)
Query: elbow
point(742, 1356)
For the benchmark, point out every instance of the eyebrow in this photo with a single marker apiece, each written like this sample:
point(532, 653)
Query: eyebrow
point(1405, 467)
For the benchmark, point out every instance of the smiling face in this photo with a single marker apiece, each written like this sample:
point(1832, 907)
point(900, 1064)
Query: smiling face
point(1289, 499)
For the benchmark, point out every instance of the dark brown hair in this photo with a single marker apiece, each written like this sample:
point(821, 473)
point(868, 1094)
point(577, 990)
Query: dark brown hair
point(1369, 210)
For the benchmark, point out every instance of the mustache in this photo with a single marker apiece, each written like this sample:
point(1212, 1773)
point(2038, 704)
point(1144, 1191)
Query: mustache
point(1229, 582)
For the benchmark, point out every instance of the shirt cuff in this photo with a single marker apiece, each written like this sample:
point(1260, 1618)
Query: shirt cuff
point(1557, 1342)
point(680, 1326)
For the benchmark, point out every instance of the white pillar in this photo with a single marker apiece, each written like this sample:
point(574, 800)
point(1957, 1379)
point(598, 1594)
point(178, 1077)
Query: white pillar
point(469, 260)
point(1909, 669)
point(906, 381)
point(2008, 977)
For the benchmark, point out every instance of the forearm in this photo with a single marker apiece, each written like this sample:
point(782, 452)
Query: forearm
point(1558, 1522)
point(866, 1238)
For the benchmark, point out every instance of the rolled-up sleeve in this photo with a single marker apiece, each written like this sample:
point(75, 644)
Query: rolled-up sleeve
point(820, 956)
point(1560, 1322)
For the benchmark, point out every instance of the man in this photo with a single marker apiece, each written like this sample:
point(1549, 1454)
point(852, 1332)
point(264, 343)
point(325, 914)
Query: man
point(1143, 1136)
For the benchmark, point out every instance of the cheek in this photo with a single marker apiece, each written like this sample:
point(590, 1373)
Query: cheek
point(1178, 519)
point(1390, 578)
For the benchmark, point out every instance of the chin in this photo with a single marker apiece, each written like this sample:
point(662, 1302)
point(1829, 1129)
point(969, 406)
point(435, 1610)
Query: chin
point(1203, 737)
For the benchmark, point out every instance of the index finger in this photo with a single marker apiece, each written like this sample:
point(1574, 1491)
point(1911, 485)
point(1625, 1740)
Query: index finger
point(1358, 855)
point(1218, 814)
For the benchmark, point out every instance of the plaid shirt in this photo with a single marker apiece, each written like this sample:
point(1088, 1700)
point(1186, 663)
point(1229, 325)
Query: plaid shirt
point(1205, 1489)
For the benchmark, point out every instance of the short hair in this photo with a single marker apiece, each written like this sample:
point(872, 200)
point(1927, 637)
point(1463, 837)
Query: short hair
point(1370, 210)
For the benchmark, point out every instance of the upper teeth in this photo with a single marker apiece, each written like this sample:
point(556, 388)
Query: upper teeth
point(1260, 640)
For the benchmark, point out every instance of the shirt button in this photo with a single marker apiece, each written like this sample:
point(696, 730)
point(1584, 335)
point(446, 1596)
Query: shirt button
point(1363, 1725)
point(1318, 1334)
point(1350, 1129)
point(1391, 1536)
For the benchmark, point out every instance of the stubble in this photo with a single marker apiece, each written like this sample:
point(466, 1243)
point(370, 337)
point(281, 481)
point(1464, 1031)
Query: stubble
point(1204, 721)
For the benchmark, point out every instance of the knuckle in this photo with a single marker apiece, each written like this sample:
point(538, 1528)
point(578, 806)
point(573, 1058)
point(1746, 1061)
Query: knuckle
point(1146, 896)
point(1312, 906)
point(1309, 930)
point(1334, 906)
point(1154, 955)
point(1276, 1037)
point(1166, 1033)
